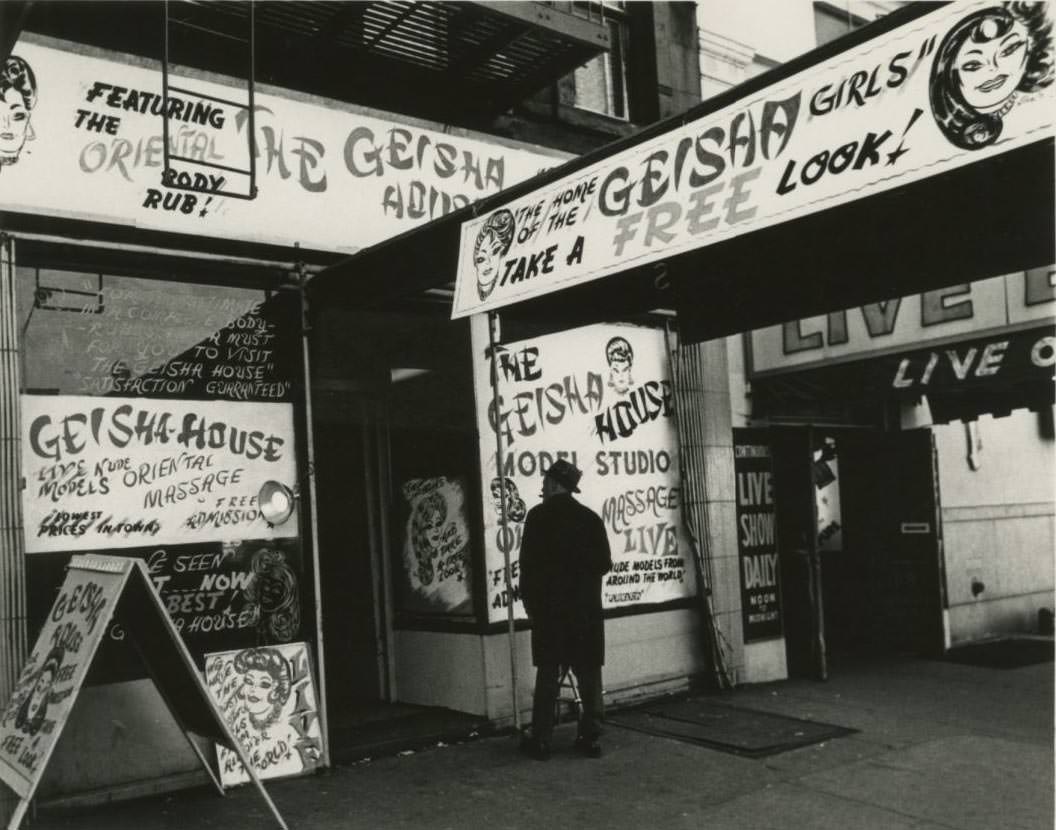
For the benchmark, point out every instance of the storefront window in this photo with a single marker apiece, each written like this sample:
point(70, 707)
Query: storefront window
point(435, 496)
point(153, 414)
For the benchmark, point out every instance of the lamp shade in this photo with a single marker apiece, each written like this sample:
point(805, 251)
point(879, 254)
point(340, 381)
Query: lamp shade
point(275, 502)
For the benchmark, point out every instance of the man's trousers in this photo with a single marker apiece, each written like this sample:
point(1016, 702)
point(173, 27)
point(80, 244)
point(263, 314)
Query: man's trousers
point(547, 682)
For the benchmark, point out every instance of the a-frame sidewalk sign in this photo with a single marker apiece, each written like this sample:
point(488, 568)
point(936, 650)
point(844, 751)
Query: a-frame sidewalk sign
point(98, 590)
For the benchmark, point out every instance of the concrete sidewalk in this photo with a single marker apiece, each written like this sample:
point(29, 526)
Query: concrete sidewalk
point(939, 745)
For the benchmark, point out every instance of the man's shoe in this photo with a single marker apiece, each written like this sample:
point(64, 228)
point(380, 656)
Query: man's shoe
point(534, 748)
point(590, 747)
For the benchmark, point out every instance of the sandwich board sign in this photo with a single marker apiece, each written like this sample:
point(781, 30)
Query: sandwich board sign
point(98, 590)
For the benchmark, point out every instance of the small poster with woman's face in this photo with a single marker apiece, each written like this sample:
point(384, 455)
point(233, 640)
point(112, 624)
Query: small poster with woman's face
point(436, 546)
point(267, 696)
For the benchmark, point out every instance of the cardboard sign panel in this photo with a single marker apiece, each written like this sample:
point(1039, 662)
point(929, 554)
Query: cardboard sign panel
point(436, 546)
point(908, 105)
point(600, 397)
point(267, 696)
point(127, 472)
point(52, 676)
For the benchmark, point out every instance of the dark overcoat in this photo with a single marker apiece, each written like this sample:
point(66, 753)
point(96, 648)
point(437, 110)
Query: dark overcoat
point(564, 555)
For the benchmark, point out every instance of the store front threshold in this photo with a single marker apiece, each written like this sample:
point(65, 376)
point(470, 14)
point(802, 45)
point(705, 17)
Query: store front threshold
point(379, 729)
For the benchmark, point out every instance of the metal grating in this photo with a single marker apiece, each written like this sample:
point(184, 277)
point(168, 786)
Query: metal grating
point(453, 61)
point(495, 52)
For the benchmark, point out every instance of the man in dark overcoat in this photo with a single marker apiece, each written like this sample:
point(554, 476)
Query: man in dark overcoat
point(564, 555)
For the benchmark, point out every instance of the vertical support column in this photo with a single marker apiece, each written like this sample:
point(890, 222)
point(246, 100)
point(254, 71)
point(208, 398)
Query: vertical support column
point(13, 649)
point(706, 441)
point(313, 497)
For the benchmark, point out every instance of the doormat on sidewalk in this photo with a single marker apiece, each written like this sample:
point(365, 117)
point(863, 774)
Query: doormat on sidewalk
point(1009, 653)
point(745, 732)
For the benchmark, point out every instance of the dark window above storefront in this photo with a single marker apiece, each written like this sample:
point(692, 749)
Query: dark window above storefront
point(452, 61)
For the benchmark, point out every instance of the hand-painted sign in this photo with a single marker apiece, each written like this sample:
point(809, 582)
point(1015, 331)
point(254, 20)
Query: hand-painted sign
point(54, 673)
point(328, 177)
point(98, 591)
point(756, 535)
point(967, 310)
point(219, 596)
point(268, 698)
point(961, 84)
point(601, 398)
point(436, 553)
point(128, 472)
point(93, 334)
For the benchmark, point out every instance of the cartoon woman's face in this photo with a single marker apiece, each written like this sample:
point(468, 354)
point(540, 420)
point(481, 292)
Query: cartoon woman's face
point(620, 374)
point(989, 72)
point(39, 697)
point(486, 259)
point(435, 522)
point(256, 691)
point(14, 122)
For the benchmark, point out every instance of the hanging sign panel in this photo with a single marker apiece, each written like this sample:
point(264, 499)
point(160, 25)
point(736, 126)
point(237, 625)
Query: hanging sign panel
point(90, 145)
point(105, 473)
point(953, 87)
point(600, 397)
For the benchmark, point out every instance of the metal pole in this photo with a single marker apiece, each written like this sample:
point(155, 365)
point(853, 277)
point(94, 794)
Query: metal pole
point(493, 338)
point(324, 721)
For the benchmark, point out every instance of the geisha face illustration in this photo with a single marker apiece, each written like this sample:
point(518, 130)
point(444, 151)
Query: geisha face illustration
point(492, 244)
point(620, 357)
point(990, 68)
point(265, 684)
point(984, 62)
point(256, 691)
point(33, 711)
point(486, 260)
point(18, 95)
point(427, 533)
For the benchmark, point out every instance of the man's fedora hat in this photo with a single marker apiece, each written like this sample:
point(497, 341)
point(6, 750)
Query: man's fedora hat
point(566, 474)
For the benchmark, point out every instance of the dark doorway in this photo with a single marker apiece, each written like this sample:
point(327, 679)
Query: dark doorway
point(865, 503)
point(892, 535)
point(350, 629)
point(795, 522)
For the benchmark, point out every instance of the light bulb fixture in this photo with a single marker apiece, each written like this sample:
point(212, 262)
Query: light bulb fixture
point(275, 501)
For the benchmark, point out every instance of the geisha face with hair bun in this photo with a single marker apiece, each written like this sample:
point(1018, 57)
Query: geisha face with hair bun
point(990, 64)
point(492, 244)
point(18, 96)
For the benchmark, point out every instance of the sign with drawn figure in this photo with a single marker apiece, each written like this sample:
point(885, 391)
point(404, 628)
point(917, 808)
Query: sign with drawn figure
point(52, 676)
point(436, 549)
point(756, 535)
point(962, 84)
point(126, 472)
point(268, 699)
point(600, 397)
point(328, 177)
